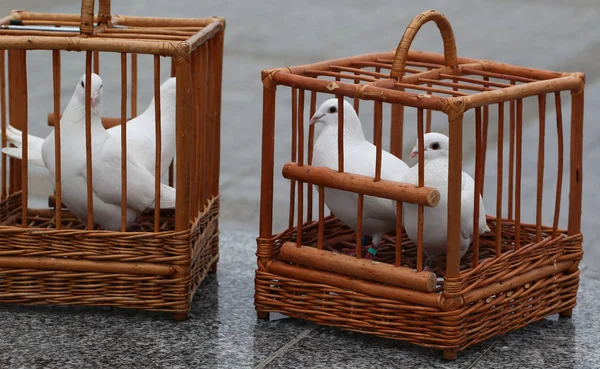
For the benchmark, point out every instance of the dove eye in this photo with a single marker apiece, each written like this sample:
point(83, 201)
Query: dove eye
point(82, 85)
point(332, 109)
point(435, 146)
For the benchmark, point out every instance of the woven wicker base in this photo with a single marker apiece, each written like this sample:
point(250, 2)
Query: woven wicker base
point(467, 312)
point(83, 260)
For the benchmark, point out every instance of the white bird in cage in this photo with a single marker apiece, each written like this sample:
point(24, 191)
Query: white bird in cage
point(106, 166)
point(435, 219)
point(379, 214)
point(141, 138)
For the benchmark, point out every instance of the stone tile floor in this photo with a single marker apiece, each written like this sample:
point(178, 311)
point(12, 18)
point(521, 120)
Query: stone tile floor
point(222, 331)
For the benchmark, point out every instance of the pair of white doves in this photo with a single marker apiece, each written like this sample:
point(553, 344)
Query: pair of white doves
point(106, 156)
point(379, 214)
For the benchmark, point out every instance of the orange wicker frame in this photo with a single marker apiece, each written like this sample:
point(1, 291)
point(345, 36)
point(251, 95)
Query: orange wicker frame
point(511, 276)
point(47, 256)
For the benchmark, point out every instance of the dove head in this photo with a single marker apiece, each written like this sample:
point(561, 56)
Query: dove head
point(327, 114)
point(95, 89)
point(435, 145)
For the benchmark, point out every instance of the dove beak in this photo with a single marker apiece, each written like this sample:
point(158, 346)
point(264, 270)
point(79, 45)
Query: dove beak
point(315, 119)
point(415, 152)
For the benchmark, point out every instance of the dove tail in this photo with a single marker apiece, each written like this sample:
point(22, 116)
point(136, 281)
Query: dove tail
point(167, 197)
point(13, 152)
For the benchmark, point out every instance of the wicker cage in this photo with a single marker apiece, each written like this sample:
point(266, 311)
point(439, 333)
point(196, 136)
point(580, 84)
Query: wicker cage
point(49, 256)
point(512, 275)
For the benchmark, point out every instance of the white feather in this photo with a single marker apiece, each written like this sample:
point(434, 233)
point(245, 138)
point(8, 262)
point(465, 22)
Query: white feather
point(435, 219)
point(379, 214)
point(106, 176)
point(141, 138)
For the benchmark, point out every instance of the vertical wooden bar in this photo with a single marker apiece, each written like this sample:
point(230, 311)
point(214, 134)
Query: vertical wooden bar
point(359, 225)
point(21, 90)
point(216, 74)
point(356, 99)
point(560, 153)
point(17, 99)
point(484, 133)
point(3, 119)
point(172, 165)
point(268, 163)
point(293, 155)
point(511, 157)
point(198, 149)
point(398, 260)
point(479, 173)
point(300, 122)
point(454, 193)
point(311, 139)
point(499, 177)
point(540, 166)
point(123, 142)
point(340, 133)
point(519, 155)
point(56, 83)
point(158, 133)
point(134, 83)
point(206, 114)
point(576, 162)
point(397, 129)
point(209, 116)
point(428, 113)
point(183, 115)
point(88, 140)
point(420, 210)
point(321, 229)
point(377, 137)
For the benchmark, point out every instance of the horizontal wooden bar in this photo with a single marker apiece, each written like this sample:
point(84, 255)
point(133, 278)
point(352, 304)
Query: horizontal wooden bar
point(521, 91)
point(436, 58)
point(125, 20)
point(107, 122)
point(358, 268)
point(365, 185)
point(163, 48)
point(516, 281)
point(408, 86)
point(364, 92)
point(366, 288)
point(435, 73)
point(63, 264)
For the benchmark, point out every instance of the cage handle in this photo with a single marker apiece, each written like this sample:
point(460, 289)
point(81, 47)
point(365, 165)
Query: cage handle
point(87, 15)
point(442, 23)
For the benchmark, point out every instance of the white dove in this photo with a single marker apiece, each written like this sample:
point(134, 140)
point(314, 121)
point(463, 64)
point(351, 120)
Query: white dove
point(106, 156)
point(435, 219)
point(141, 138)
point(379, 214)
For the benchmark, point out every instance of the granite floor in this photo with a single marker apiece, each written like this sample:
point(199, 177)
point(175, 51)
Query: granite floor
point(222, 331)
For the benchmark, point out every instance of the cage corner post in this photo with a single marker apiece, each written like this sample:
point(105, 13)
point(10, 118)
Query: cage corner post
point(264, 241)
point(454, 107)
point(183, 116)
point(576, 174)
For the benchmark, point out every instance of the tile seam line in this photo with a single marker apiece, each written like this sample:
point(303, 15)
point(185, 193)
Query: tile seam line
point(482, 355)
point(288, 345)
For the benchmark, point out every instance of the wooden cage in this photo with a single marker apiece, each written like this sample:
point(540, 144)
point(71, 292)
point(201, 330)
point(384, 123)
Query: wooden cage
point(513, 275)
point(49, 256)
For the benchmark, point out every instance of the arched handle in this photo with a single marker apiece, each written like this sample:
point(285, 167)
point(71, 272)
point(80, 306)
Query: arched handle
point(410, 33)
point(87, 15)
